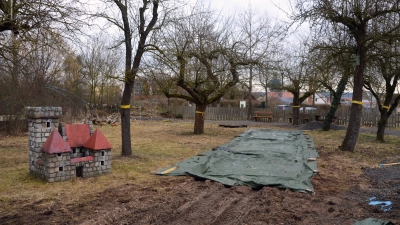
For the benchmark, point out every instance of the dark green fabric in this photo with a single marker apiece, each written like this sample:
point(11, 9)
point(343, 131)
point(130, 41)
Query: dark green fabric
point(256, 158)
point(373, 221)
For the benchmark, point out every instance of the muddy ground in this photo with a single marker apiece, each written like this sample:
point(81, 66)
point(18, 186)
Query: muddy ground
point(184, 200)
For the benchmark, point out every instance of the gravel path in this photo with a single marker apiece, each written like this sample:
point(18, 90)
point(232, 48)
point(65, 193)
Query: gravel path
point(313, 125)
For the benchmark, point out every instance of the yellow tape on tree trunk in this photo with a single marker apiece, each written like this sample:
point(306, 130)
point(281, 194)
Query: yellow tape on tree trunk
point(198, 112)
point(357, 102)
point(385, 107)
point(125, 106)
point(296, 106)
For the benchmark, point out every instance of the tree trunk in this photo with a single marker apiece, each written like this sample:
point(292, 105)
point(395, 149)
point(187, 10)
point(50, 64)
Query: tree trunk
point(380, 134)
point(353, 128)
point(335, 103)
point(250, 99)
point(126, 119)
point(199, 119)
point(296, 108)
point(131, 69)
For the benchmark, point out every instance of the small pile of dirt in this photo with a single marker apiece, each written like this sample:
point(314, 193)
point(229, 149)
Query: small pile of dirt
point(315, 125)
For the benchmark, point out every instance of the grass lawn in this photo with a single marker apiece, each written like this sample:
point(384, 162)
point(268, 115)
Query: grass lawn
point(158, 144)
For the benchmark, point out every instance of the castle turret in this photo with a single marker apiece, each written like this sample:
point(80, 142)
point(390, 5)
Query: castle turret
point(41, 122)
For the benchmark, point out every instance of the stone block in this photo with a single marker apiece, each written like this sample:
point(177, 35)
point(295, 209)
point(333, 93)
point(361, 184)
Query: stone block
point(51, 180)
point(37, 114)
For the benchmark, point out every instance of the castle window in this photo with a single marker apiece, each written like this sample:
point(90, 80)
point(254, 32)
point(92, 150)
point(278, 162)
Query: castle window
point(33, 163)
point(48, 124)
point(102, 153)
point(102, 163)
point(58, 154)
point(60, 168)
point(74, 150)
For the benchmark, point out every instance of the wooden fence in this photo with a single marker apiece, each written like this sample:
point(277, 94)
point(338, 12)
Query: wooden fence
point(369, 117)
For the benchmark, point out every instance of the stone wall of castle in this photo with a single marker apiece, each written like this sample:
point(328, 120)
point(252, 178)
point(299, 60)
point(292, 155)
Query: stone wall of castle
point(41, 122)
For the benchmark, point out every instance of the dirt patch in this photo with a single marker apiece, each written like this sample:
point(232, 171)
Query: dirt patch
point(187, 201)
point(341, 197)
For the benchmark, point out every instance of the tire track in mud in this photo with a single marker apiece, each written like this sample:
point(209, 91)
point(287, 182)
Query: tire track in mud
point(193, 202)
point(216, 205)
point(202, 203)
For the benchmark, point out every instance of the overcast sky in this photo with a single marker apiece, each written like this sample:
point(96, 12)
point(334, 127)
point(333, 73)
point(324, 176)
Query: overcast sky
point(268, 6)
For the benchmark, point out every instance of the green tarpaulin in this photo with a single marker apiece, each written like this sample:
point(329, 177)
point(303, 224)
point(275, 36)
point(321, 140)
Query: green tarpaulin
point(373, 221)
point(256, 158)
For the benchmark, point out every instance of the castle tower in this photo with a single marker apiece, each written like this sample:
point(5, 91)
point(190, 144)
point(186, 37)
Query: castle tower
point(41, 122)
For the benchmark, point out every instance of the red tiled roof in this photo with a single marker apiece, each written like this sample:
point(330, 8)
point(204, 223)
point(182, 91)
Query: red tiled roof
point(97, 141)
point(55, 144)
point(77, 134)
point(82, 159)
point(280, 94)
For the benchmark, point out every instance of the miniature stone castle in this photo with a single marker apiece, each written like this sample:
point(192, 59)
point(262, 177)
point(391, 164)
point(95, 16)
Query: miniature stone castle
point(59, 152)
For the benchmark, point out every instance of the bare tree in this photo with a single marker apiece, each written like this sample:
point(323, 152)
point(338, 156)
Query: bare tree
point(99, 67)
point(72, 79)
point(30, 32)
point(300, 77)
point(34, 66)
point(382, 81)
point(331, 55)
point(259, 35)
point(356, 18)
point(197, 60)
point(136, 21)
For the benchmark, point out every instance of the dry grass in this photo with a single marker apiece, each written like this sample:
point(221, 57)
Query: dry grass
point(155, 144)
point(158, 144)
point(343, 169)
